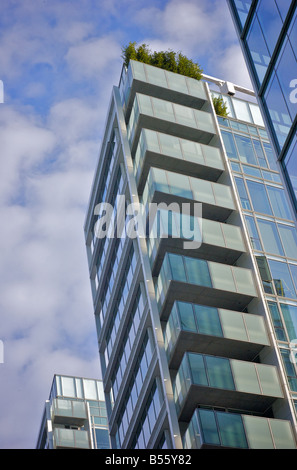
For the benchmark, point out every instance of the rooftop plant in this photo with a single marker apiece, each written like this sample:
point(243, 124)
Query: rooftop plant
point(220, 106)
point(168, 60)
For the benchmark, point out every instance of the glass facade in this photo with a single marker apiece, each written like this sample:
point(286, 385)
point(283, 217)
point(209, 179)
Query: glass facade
point(77, 413)
point(268, 33)
point(273, 236)
point(153, 297)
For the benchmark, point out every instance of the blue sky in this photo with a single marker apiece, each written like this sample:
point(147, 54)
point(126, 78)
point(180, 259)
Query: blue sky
point(58, 62)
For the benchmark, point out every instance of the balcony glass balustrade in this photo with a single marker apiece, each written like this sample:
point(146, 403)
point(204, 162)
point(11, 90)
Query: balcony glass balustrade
point(203, 379)
point(213, 429)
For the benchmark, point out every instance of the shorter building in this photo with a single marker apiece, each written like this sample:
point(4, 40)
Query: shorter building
point(74, 416)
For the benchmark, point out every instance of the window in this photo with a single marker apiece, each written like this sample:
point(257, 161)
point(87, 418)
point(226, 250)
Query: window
point(245, 149)
point(282, 279)
point(229, 145)
point(270, 237)
point(290, 317)
point(243, 194)
point(258, 49)
point(289, 238)
point(259, 197)
point(253, 233)
point(279, 202)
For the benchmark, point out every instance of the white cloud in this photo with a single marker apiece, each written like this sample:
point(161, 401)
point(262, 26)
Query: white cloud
point(90, 58)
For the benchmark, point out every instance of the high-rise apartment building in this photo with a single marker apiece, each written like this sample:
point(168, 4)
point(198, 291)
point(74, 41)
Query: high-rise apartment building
point(268, 35)
point(75, 415)
point(194, 339)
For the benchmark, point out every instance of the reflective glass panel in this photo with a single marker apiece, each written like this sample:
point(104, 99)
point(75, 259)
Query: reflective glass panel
point(259, 197)
point(219, 372)
point(289, 239)
point(229, 145)
point(282, 279)
point(198, 372)
point(209, 427)
point(258, 49)
point(270, 21)
point(245, 149)
point(279, 202)
point(208, 320)
point(270, 237)
point(231, 430)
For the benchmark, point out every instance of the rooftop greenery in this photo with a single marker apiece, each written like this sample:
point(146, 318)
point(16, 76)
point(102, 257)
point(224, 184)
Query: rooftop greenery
point(172, 61)
point(220, 106)
point(168, 60)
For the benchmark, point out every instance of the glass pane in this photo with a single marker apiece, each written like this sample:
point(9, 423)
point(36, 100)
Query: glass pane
point(163, 109)
point(68, 386)
point(269, 380)
point(202, 191)
point(256, 329)
point(177, 82)
point(197, 271)
point(242, 7)
point(259, 197)
point(258, 433)
point(231, 430)
point(242, 110)
point(244, 199)
point(179, 185)
point(229, 145)
point(219, 372)
point(253, 233)
point(270, 21)
point(233, 325)
point(186, 315)
point(209, 427)
point(279, 203)
point(184, 115)
point(258, 50)
point(286, 69)
point(90, 389)
point(245, 149)
point(222, 277)
point(282, 279)
point(156, 76)
point(270, 237)
point(278, 110)
point(244, 281)
point(198, 372)
point(282, 434)
point(290, 317)
point(245, 377)
point(170, 145)
point(289, 239)
point(177, 267)
point(208, 320)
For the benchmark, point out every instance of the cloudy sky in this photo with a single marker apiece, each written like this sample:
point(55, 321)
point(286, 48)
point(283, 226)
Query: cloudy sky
point(58, 62)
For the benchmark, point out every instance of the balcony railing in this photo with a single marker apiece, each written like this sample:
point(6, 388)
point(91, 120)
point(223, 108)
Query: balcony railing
point(217, 429)
point(203, 329)
point(68, 411)
point(71, 439)
point(159, 83)
point(199, 281)
point(208, 380)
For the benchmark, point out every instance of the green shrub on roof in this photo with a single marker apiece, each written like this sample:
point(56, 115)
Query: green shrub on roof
point(167, 60)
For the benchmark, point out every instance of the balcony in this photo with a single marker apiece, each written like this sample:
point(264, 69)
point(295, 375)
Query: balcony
point(171, 231)
point(203, 282)
point(210, 429)
point(69, 412)
point(169, 118)
point(166, 187)
point(172, 153)
point(159, 83)
point(208, 330)
point(71, 439)
point(221, 382)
